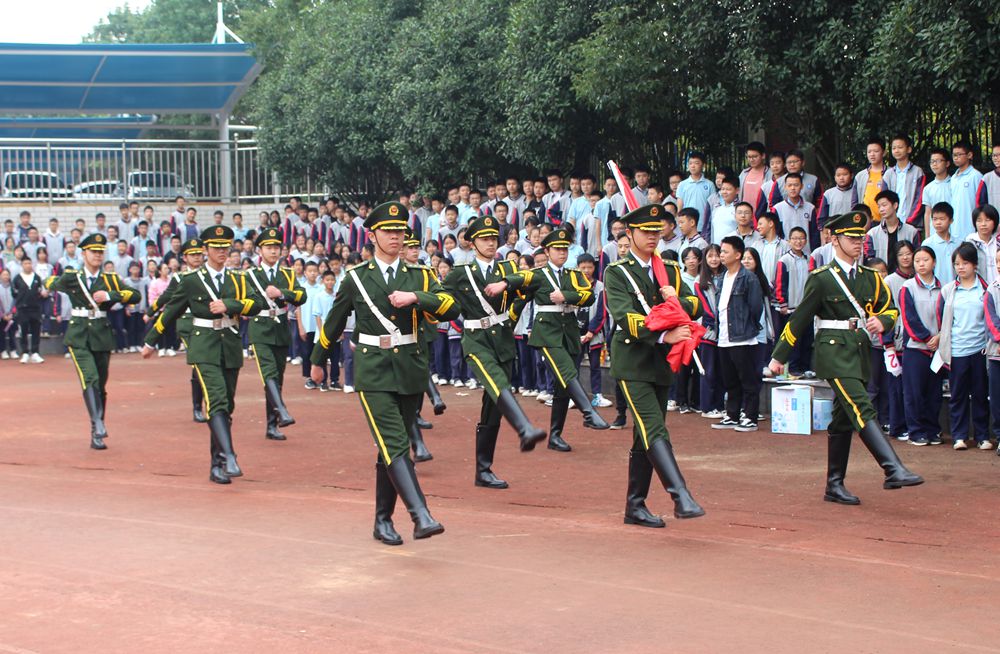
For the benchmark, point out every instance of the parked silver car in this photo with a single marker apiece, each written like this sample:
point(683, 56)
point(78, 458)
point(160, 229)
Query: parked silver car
point(98, 189)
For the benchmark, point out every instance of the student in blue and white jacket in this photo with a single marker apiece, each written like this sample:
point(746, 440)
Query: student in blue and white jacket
point(961, 344)
point(991, 311)
point(918, 306)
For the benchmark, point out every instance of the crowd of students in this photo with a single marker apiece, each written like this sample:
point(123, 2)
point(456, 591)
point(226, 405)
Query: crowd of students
point(932, 234)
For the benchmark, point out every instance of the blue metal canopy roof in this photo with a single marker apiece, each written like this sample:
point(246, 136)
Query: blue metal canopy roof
point(89, 79)
point(84, 127)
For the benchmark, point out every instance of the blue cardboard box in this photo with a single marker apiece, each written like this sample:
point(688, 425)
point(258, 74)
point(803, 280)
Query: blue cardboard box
point(822, 414)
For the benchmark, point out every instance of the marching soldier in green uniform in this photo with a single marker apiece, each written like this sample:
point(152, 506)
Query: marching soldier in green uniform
point(850, 302)
point(557, 292)
point(639, 364)
point(89, 338)
point(193, 254)
point(412, 249)
point(217, 297)
point(389, 298)
point(269, 334)
point(488, 344)
point(411, 255)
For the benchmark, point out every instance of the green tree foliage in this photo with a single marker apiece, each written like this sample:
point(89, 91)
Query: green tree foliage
point(400, 92)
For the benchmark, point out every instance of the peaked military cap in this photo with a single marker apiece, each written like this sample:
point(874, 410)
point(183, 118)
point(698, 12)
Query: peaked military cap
point(192, 246)
point(268, 236)
point(648, 218)
point(94, 242)
point(388, 215)
point(560, 237)
point(411, 240)
point(852, 223)
point(217, 236)
point(482, 227)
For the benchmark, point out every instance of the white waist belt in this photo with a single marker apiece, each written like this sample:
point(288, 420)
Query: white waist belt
point(88, 313)
point(387, 341)
point(853, 323)
point(271, 313)
point(484, 323)
point(217, 323)
point(555, 308)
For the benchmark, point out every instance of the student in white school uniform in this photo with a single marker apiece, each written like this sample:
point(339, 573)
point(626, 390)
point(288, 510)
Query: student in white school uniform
point(839, 198)
point(962, 340)
point(986, 219)
point(904, 272)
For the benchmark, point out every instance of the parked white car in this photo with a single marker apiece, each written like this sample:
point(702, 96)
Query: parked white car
point(154, 185)
point(99, 189)
point(33, 184)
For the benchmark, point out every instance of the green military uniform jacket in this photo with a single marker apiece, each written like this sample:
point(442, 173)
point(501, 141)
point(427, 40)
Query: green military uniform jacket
point(497, 340)
point(635, 352)
point(268, 329)
point(399, 369)
point(94, 334)
point(553, 329)
point(156, 306)
point(222, 347)
point(839, 353)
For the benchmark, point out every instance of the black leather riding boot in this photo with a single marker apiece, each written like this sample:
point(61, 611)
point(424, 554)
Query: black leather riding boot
point(837, 454)
point(486, 445)
point(661, 455)
point(640, 474)
point(404, 479)
point(385, 504)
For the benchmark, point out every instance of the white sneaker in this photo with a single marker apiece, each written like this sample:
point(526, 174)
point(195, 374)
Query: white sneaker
point(601, 401)
point(548, 402)
point(471, 383)
point(171, 352)
point(456, 383)
point(4, 355)
point(713, 415)
point(529, 393)
point(66, 356)
point(25, 357)
point(434, 378)
point(958, 445)
point(985, 445)
point(161, 353)
point(544, 397)
point(348, 389)
point(671, 405)
point(134, 349)
point(36, 358)
point(246, 354)
point(297, 361)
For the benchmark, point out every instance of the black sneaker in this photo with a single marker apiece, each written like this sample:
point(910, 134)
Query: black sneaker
point(684, 409)
point(311, 385)
point(745, 424)
point(934, 440)
point(619, 422)
point(726, 423)
point(336, 387)
point(919, 441)
point(323, 388)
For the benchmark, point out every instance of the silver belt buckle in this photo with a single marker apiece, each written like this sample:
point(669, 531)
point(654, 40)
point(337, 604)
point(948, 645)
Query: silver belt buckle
point(484, 323)
point(385, 341)
point(852, 323)
point(272, 312)
point(217, 323)
point(91, 313)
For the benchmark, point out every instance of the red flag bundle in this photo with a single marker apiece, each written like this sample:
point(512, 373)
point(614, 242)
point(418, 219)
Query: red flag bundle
point(670, 315)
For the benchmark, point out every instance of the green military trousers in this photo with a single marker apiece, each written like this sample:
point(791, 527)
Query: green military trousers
point(270, 361)
point(648, 404)
point(562, 366)
point(493, 376)
point(219, 386)
point(91, 367)
point(389, 417)
point(853, 407)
